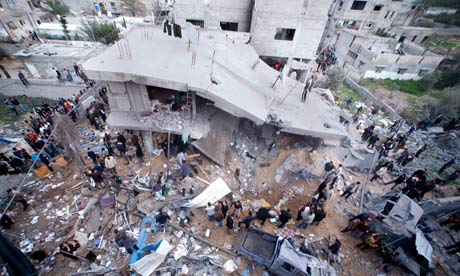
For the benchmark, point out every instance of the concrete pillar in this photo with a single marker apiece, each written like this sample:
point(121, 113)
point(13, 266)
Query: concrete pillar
point(148, 142)
point(193, 104)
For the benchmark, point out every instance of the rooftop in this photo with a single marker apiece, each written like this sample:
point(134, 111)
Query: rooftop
point(227, 71)
point(380, 45)
point(61, 50)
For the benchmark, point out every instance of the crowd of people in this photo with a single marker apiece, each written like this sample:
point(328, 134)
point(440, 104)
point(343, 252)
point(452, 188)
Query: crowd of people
point(37, 133)
point(394, 156)
point(67, 74)
point(326, 58)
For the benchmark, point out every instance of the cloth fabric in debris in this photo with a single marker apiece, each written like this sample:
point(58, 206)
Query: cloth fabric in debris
point(292, 193)
point(217, 190)
point(149, 263)
point(285, 233)
point(424, 247)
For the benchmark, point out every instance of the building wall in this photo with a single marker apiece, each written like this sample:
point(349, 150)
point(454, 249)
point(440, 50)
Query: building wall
point(370, 20)
point(366, 94)
point(383, 65)
point(268, 15)
point(213, 12)
point(420, 35)
point(16, 20)
point(121, 100)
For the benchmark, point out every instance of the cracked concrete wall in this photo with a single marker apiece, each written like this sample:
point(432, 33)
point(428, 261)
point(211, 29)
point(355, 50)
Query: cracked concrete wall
point(392, 13)
point(268, 15)
point(214, 12)
point(128, 96)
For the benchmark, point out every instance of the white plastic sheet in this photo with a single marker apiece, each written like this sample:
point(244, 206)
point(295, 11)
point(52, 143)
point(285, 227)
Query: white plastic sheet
point(147, 265)
point(217, 190)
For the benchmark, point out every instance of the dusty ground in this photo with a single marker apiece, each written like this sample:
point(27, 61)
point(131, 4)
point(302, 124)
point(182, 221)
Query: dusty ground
point(396, 99)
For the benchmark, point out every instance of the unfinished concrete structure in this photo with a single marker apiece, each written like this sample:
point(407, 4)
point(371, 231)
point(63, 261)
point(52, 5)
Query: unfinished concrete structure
point(218, 14)
point(272, 24)
point(275, 23)
point(17, 18)
point(156, 84)
point(371, 16)
point(381, 58)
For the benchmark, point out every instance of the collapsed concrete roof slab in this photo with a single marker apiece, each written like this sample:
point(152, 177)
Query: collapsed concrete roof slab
point(173, 122)
point(219, 137)
point(226, 71)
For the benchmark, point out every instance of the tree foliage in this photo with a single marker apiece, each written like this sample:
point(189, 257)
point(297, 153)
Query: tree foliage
point(136, 7)
point(63, 22)
point(440, 3)
point(335, 78)
point(100, 32)
point(57, 7)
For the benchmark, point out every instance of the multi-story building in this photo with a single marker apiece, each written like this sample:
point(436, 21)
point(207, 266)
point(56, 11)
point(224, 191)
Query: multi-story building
point(17, 18)
point(371, 56)
point(272, 24)
point(218, 14)
point(275, 24)
point(156, 83)
point(371, 16)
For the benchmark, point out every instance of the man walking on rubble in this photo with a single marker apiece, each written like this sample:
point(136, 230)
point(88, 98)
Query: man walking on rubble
point(334, 250)
point(351, 189)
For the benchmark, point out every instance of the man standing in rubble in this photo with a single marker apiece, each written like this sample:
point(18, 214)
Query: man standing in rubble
point(328, 167)
point(307, 88)
point(157, 190)
point(284, 217)
point(110, 163)
point(210, 211)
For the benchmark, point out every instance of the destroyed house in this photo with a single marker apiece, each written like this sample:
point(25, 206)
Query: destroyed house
point(405, 242)
point(185, 86)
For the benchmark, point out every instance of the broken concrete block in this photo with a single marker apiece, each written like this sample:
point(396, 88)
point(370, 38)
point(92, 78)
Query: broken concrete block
point(278, 178)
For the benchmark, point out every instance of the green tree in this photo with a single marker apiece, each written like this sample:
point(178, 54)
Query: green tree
point(136, 6)
point(101, 32)
point(57, 7)
point(63, 22)
point(439, 3)
point(335, 78)
point(450, 102)
point(448, 78)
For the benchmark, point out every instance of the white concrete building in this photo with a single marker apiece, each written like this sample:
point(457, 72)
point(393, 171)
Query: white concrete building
point(17, 18)
point(275, 23)
point(371, 16)
point(272, 23)
point(376, 57)
point(227, 15)
point(156, 84)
